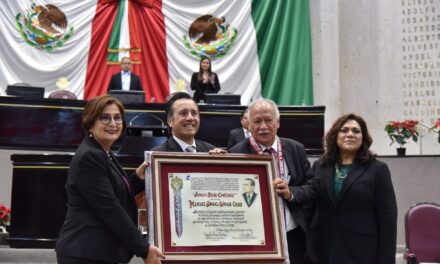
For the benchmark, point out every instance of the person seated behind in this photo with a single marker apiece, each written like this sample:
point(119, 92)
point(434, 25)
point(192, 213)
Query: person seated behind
point(184, 120)
point(238, 134)
point(125, 80)
point(205, 81)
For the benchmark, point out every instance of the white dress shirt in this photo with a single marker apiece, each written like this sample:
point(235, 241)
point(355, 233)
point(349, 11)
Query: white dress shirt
point(126, 78)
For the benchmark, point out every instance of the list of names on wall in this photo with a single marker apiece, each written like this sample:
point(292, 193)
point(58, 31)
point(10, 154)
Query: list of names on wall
point(420, 21)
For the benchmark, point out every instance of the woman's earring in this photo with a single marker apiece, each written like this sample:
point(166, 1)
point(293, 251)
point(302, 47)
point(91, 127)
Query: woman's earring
point(90, 135)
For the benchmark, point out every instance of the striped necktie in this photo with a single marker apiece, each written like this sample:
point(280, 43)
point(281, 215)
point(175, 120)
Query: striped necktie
point(190, 149)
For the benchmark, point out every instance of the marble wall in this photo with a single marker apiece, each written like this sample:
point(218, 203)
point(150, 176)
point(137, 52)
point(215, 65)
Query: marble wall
point(380, 59)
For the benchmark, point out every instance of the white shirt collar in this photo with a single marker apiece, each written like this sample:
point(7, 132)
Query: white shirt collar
point(183, 144)
point(274, 145)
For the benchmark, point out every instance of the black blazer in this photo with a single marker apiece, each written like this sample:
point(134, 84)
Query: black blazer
point(359, 227)
point(201, 89)
point(300, 171)
point(171, 145)
point(235, 136)
point(116, 82)
point(101, 211)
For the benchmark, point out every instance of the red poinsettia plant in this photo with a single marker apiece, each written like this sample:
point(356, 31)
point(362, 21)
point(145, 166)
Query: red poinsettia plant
point(5, 216)
point(401, 132)
point(436, 128)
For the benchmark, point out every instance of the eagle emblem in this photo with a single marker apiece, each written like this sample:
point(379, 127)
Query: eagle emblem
point(210, 36)
point(44, 27)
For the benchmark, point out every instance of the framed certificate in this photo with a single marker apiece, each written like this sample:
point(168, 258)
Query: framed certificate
point(214, 208)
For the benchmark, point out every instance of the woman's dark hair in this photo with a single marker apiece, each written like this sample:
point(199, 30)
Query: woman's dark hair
point(200, 73)
point(94, 108)
point(331, 150)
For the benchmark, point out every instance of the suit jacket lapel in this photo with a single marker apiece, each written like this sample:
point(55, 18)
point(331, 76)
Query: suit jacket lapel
point(118, 172)
point(328, 183)
point(116, 165)
point(241, 135)
point(200, 147)
point(357, 170)
point(288, 158)
point(132, 82)
point(173, 145)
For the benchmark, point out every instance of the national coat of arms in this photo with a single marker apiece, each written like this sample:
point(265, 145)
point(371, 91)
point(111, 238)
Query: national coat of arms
point(44, 27)
point(210, 36)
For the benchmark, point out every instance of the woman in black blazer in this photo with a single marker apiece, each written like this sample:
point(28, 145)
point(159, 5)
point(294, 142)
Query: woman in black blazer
point(356, 220)
point(100, 225)
point(205, 81)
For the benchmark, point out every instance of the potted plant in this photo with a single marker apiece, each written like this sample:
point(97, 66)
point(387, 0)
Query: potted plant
point(401, 132)
point(5, 217)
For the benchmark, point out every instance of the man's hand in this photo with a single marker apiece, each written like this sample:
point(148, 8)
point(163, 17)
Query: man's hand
point(218, 151)
point(154, 256)
point(282, 188)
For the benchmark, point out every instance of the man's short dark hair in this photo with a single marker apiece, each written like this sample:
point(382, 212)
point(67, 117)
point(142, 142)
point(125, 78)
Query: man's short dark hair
point(251, 180)
point(243, 114)
point(177, 96)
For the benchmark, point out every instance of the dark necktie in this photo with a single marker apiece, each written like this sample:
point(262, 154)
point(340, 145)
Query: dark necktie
point(270, 151)
point(190, 149)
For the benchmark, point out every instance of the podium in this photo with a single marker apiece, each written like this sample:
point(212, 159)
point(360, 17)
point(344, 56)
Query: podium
point(223, 99)
point(25, 91)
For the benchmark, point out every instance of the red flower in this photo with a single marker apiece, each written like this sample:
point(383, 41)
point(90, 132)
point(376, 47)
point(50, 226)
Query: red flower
point(436, 128)
point(5, 215)
point(400, 132)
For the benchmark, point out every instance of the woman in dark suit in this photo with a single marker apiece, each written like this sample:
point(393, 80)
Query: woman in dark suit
point(356, 220)
point(205, 81)
point(100, 225)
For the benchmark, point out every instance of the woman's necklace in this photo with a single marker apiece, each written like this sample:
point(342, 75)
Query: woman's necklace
point(341, 174)
point(108, 154)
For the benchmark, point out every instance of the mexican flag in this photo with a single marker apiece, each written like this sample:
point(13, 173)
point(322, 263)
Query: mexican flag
point(258, 48)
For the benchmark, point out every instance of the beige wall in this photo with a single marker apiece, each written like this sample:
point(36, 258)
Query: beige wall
point(358, 64)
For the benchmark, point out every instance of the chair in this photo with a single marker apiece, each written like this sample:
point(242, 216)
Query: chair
point(62, 94)
point(422, 230)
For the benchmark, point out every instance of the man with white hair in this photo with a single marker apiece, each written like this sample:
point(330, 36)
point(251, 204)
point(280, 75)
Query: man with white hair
point(293, 171)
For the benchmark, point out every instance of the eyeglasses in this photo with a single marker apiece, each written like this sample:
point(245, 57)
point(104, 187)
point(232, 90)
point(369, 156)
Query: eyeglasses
point(106, 119)
point(345, 130)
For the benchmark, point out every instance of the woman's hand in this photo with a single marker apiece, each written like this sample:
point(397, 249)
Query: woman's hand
point(212, 78)
point(140, 171)
point(205, 77)
point(154, 256)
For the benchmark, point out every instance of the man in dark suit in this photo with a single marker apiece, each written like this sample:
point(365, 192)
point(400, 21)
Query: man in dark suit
point(239, 134)
point(184, 120)
point(293, 171)
point(125, 80)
